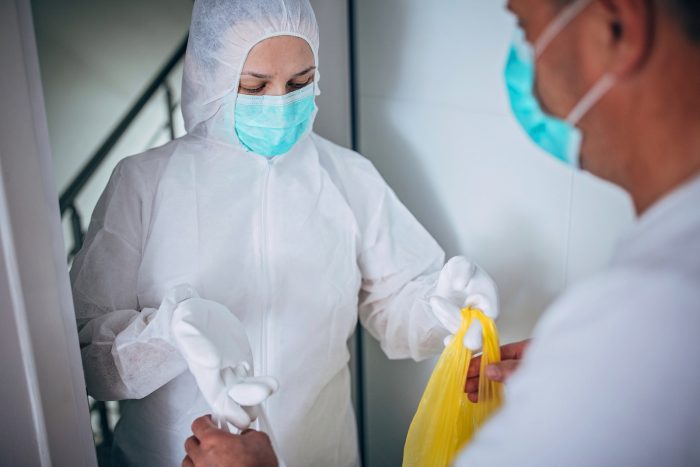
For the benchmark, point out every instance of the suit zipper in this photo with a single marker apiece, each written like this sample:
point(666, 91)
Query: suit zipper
point(265, 279)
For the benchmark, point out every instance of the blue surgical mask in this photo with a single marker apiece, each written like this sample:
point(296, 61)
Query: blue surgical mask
point(555, 136)
point(560, 138)
point(272, 125)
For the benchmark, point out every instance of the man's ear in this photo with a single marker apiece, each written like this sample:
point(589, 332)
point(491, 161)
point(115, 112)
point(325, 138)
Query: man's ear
point(631, 29)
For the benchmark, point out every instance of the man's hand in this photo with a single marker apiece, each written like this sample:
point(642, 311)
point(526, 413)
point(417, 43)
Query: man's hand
point(212, 447)
point(511, 355)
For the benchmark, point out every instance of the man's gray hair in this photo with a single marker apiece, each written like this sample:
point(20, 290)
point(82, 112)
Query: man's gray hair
point(687, 12)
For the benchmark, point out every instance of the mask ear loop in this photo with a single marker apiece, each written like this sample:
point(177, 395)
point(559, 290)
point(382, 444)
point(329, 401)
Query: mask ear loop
point(558, 24)
point(598, 90)
point(550, 33)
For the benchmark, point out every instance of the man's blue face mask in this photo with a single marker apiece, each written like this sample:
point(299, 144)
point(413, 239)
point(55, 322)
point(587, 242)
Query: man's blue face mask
point(558, 137)
point(272, 125)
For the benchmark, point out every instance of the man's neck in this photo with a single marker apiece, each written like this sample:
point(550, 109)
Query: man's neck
point(644, 201)
point(661, 121)
point(664, 164)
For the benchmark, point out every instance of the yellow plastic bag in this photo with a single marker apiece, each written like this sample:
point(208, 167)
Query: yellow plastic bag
point(446, 419)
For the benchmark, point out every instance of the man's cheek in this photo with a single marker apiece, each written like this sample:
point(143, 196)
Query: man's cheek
point(554, 89)
point(543, 91)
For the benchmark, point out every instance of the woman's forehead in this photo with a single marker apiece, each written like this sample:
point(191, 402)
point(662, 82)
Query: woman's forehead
point(279, 54)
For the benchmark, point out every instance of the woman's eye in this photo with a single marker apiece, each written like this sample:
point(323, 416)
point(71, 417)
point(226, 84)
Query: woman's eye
point(251, 90)
point(300, 85)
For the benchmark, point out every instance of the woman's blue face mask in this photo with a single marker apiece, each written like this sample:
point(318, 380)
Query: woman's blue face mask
point(271, 125)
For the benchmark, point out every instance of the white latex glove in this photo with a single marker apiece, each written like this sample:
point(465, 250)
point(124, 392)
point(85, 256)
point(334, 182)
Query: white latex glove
point(463, 284)
point(216, 348)
point(160, 320)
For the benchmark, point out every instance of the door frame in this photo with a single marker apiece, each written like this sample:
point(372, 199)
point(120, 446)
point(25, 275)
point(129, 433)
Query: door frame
point(44, 413)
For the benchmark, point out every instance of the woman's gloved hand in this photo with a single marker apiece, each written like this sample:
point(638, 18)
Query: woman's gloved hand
point(463, 284)
point(216, 348)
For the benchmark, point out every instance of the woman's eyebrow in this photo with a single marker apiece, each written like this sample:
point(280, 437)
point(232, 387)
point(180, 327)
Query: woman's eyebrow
point(256, 75)
point(264, 76)
point(303, 72)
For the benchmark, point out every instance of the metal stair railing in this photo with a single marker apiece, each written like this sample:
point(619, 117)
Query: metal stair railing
point(67, 200)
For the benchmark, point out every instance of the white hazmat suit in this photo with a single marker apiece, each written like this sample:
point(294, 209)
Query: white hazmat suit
point(294, 246)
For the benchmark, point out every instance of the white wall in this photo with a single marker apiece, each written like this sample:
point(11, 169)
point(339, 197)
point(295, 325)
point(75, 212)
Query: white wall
point(334, 116)
point(434, 118)
point(334, 68)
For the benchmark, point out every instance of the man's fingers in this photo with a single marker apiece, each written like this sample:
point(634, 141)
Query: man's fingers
point(187, 462)
point(514, 351)
point(192, 450)
point(202, 426)
point(472, 386)
point(500, 372)
point(474, 367)
point(191, 444)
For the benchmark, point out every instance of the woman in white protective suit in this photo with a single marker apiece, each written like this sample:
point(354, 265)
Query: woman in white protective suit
point(254, 213)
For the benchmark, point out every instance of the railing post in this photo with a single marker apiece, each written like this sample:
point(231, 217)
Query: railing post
point(171, 108)
point(107, 436)
point(77, 230)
